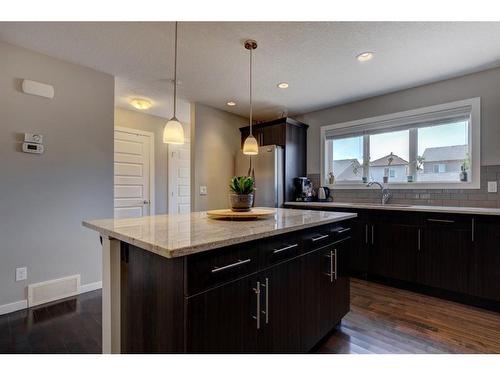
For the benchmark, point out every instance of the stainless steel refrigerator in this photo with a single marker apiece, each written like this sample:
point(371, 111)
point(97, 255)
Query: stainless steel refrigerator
point(268, 167)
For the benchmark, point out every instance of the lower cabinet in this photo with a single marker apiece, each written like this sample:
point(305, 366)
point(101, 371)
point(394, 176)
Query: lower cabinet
point(287, 308)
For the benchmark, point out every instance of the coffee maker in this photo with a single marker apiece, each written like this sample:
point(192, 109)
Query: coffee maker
point(303, 189)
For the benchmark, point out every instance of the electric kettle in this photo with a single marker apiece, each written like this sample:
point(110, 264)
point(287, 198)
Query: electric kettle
point(323, 194)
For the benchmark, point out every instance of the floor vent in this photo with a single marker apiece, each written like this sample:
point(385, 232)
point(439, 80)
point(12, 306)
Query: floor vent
point(52, 290)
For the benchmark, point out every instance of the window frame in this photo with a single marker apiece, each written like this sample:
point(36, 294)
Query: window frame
point(396, 120)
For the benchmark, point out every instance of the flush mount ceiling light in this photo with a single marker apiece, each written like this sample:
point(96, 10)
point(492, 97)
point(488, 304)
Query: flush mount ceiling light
point(365, 56)
point(231, 103)
point(283, 85)
point(250, 146)
point(141, 103)
point(173, 132)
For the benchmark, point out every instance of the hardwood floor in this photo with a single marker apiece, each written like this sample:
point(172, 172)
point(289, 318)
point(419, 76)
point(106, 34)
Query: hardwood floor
point(382, 320)
point(389, 320)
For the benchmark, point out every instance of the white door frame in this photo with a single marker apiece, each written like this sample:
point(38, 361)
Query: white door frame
point(151, 161)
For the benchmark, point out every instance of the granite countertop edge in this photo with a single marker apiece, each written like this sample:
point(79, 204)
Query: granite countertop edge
point(198, 248)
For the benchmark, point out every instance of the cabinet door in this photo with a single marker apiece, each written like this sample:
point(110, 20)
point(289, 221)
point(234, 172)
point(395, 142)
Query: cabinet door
point(485, 279)
point(223, 320)
point(359, 252)
point(325, 290)
point(394, 254)
point(444, 260)
point(281, 302)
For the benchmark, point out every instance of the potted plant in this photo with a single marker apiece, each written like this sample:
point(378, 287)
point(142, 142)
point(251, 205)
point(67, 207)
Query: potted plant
point(241, 197)
point(465, 167)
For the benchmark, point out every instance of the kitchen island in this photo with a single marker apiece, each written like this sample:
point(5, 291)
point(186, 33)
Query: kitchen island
point(189, 284)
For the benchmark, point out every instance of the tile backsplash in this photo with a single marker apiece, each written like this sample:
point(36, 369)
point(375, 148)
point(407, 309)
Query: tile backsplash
point(431, 197)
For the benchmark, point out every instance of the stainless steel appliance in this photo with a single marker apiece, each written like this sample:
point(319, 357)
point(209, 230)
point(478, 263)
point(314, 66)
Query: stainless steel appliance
point(303, 189)
point(323, 194)
point(267, 167)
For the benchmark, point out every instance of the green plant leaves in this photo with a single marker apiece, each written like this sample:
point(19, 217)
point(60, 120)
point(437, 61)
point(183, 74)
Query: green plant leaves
point(242, 185)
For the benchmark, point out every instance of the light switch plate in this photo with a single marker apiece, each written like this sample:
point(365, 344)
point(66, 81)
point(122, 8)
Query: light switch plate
point(21, 273)
point(492, 187)
point(203, 190)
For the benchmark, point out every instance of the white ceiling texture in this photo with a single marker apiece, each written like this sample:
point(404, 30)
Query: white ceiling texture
point(317, 59)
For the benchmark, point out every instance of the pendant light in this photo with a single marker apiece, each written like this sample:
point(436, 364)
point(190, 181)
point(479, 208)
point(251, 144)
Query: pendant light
point(173, 132)
point(250, 146)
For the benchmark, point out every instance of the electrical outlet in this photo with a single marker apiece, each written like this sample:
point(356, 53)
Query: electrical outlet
point(492, 186)
point(21, 273)
point(203, 190)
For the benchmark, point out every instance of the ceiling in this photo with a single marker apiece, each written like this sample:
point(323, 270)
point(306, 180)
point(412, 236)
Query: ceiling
point(317, 59)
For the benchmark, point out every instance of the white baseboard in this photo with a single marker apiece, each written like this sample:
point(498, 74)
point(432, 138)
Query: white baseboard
point(14, 306)
point(90, 287)
point(23, 304)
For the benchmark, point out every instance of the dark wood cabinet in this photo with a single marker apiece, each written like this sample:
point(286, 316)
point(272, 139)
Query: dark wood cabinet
point(292, 136)
point(281, 294)
point(445, 257)
point(360, 246)
point(486, 258)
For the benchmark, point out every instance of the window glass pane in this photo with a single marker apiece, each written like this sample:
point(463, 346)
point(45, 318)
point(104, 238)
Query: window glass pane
point(389, 155)
point(347, 158)
point(442, 152)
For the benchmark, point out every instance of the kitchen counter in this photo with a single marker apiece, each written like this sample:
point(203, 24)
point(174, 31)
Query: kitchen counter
point(398, 207)
point(164, 292)
point(183, 234)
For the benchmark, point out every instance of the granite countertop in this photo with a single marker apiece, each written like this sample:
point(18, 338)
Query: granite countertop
point(399, 207)
point(183, 234)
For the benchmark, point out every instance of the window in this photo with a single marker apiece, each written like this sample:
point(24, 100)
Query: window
point(432, 147)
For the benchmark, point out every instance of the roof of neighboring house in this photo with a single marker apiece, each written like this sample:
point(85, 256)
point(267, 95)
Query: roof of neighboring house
point(458, 152)
point(343, 168)
point(384, 161)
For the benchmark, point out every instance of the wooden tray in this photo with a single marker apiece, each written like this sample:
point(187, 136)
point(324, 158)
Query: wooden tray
point(227, 214)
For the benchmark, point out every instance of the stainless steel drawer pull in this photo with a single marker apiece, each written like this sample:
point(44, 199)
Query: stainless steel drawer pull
point(366, 234)
point(441, 221)
point(238, 263)
point(335, 270)
point(473, 234)
point(419, 239)
point(257, 296)
point(343, 230)
point(319, 238)
point(285, 248)
point(266, 309)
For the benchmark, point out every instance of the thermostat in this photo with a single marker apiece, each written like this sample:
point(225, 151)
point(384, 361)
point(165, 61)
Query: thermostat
point(32, 148)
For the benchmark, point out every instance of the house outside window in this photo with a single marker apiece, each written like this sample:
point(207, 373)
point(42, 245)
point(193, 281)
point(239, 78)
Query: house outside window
point(429, 147)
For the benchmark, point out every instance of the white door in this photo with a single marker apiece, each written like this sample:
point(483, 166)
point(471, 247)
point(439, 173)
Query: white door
point(133, 174)
point(179, 178)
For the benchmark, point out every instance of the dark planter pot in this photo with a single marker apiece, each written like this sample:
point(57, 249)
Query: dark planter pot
point(241, 203)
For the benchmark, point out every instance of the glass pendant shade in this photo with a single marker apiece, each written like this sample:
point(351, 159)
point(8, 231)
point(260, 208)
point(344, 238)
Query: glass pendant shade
point(250, 146)
point(173, 132)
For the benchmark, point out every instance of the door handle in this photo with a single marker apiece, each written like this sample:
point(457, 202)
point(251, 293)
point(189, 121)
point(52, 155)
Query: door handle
point(285, 248)
point(366, 234)
point(473, 227)
point(257, 296)
point(319, 238)
point(419, 239)
point(266, 309)
point(232, 265)
point(146, 202)
point(373, 235)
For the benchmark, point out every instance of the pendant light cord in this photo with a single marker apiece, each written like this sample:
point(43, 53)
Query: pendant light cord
point(251, 50)
point(175, 71)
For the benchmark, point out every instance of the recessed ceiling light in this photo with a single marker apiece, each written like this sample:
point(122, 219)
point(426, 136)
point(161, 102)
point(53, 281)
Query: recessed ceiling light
point(141, 103)
point(231, 103)
point(283, 85)
point(365, 56)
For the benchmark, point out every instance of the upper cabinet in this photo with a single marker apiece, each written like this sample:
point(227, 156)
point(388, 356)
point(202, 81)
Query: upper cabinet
point(292, 136)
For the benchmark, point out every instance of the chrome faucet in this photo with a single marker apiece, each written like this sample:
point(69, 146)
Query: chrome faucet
point(386, 195)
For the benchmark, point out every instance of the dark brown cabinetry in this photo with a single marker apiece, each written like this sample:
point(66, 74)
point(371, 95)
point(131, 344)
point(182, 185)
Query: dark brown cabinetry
point(277, 295)
point(292, 136)
point(456, 256)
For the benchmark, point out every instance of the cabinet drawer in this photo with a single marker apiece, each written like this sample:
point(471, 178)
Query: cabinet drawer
point(279, 248)
point(340, 231)
point(212, 268)
point(317, 237)
point(453, 222)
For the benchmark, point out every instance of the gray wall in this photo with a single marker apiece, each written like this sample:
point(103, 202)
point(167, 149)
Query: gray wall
point(44, 198)
point(484, 84)
point(215, 141)
point(153, 124)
